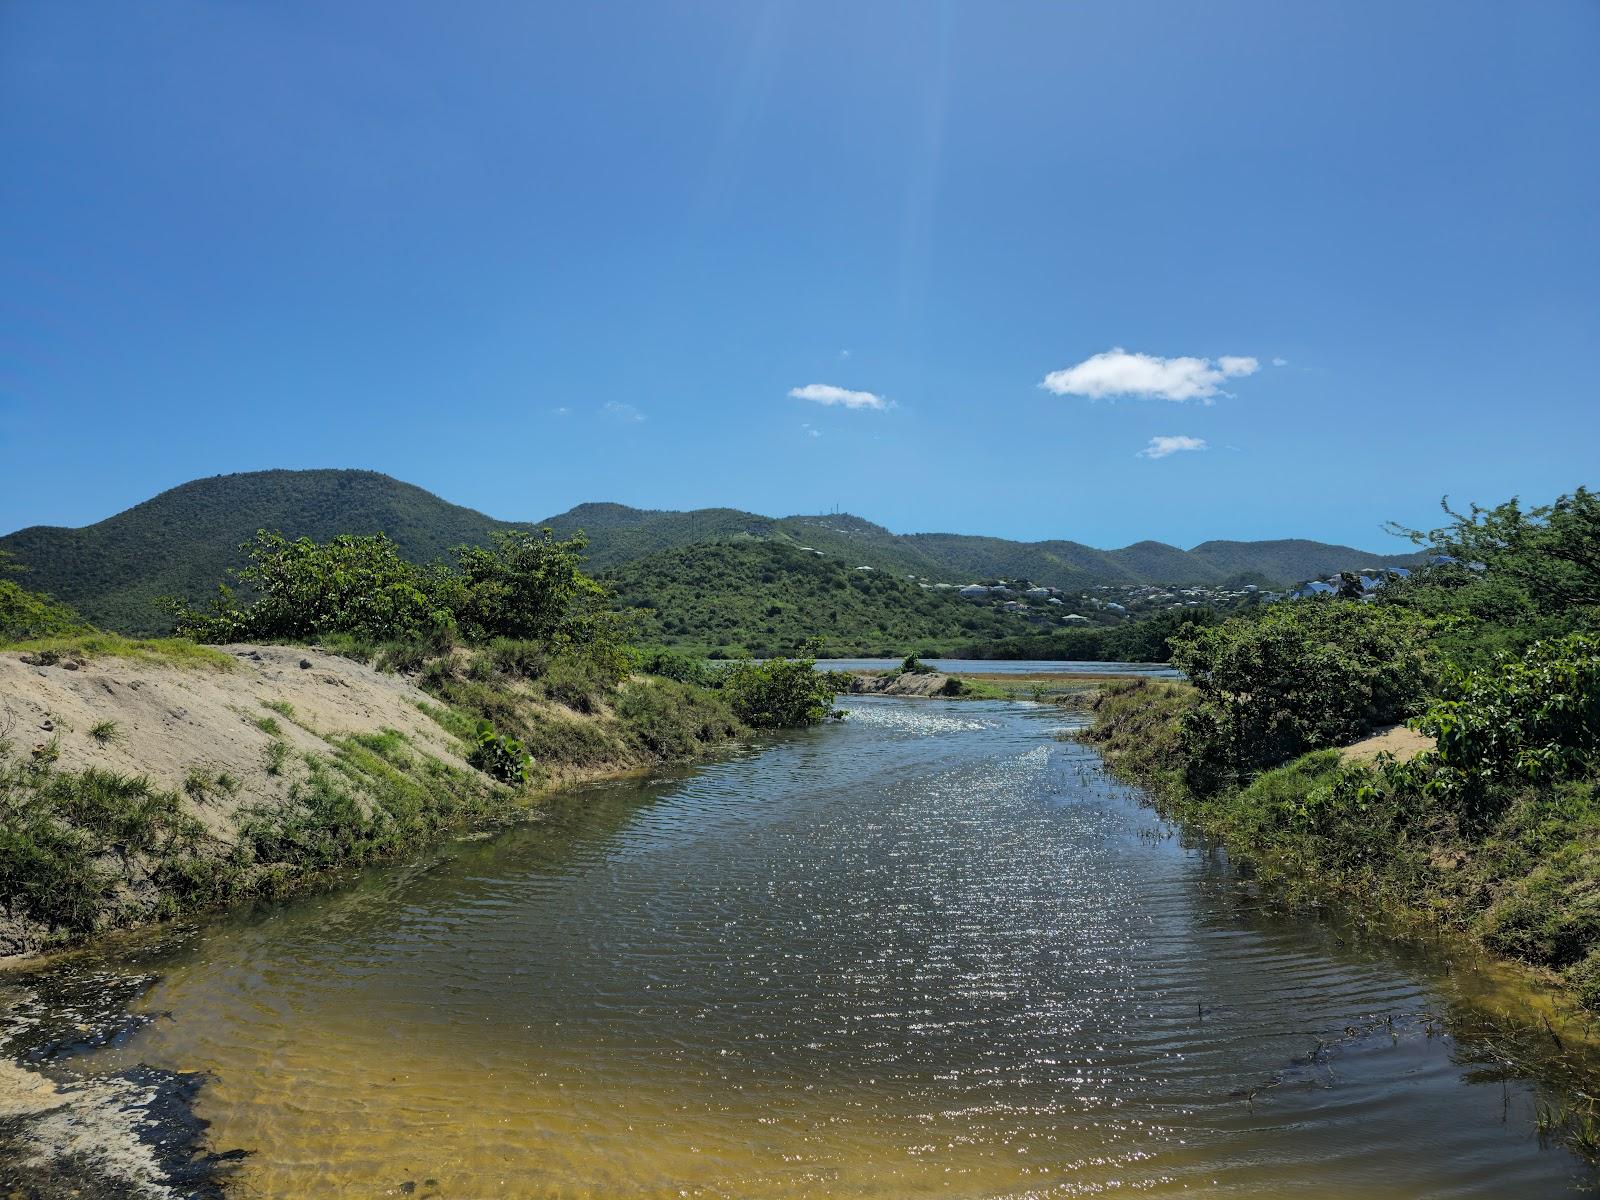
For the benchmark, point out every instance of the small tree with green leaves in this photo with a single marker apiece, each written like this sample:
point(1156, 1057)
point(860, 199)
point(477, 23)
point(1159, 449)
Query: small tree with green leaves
point(780, 693)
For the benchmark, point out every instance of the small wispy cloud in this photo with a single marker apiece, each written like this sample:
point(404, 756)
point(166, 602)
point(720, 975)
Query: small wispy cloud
point(1117, 372)
point(1280, 362)
point(561, 410)
point(844, 354)
point(622, 412)
point(1164, 445)
point(826, 393)
point(811, 430)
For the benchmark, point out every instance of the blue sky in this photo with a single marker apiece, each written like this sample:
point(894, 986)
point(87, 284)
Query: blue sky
point(530, 255)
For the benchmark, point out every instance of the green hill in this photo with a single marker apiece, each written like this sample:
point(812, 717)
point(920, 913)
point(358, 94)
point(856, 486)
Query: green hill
point(619, 534)
point(183, 542)
point(767, 597)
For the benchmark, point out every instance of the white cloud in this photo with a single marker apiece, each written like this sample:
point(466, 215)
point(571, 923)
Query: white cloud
point(826, 393)
point(1160, 447)
point(622, 412)
point(811, 430)
point(844, 354)
point(562, 411)
point(1116, 372)
point(1280, 362)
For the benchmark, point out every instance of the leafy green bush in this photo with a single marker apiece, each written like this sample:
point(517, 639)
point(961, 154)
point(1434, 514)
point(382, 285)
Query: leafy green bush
point(531, 587)
point(499, 756)
point(26, 615)
point(674, 720)
point(1296, 677)
point(1535, 719)
point(684, 668)
point(577, 683)
point(780, 693)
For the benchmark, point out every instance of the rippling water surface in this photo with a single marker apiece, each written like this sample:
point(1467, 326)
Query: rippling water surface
point(928, 951)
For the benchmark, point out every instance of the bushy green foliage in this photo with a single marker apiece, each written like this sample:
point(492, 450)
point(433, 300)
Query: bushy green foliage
point(781, 693)
point(361, 593)
point(1534, 719)
point(676, 721)
point(1502, 578)
point(1296, 677)
point(26, 615)
point(684, 668)
point(1550, 551)
point(66, 839)
point(358, 586)
point(499, 756)
point(531, 587)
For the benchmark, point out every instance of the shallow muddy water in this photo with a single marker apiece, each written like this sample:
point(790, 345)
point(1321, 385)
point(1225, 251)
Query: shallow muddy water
point(930, 950)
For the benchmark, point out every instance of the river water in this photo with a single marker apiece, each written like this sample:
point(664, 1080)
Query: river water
point(930, 950)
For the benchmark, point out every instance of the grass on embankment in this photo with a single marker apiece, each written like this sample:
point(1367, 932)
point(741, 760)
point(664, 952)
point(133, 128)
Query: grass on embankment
point(1521, 878)
point(79, 648)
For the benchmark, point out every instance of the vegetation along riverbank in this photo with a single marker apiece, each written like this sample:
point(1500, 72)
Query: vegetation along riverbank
point(1482, 814)
point(354, 706)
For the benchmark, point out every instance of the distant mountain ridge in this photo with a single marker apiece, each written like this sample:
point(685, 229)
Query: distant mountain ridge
point(183, 541)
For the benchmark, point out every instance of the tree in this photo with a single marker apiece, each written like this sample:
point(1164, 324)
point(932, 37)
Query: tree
point(780, 693)
point(1552, 550)
point(354, 585)
point(530, 586)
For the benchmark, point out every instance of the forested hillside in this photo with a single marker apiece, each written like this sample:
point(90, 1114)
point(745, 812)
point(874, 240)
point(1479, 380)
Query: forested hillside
point(182, 541)
point(768, 598)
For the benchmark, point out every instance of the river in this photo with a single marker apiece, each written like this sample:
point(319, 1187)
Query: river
point(931, 949)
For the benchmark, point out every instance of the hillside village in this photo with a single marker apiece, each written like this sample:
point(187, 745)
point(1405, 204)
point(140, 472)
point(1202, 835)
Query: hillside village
point(1109, 604)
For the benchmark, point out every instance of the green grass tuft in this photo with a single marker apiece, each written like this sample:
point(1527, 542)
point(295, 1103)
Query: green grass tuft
point(174, 652)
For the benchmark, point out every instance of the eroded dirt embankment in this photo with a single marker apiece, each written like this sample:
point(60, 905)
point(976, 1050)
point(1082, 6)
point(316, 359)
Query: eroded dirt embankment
point(171, 720)
point(255, 770)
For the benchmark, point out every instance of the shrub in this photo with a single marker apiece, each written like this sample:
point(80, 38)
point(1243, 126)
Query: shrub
point(361, 596)
point(499, 756)
point(684, 668)
point(1536, 719)
point(577, 683)
point(675, 720)
point(779, 693)
point(348, 585)
point(26, 615)
point(530, 586)
point(1296, 677)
